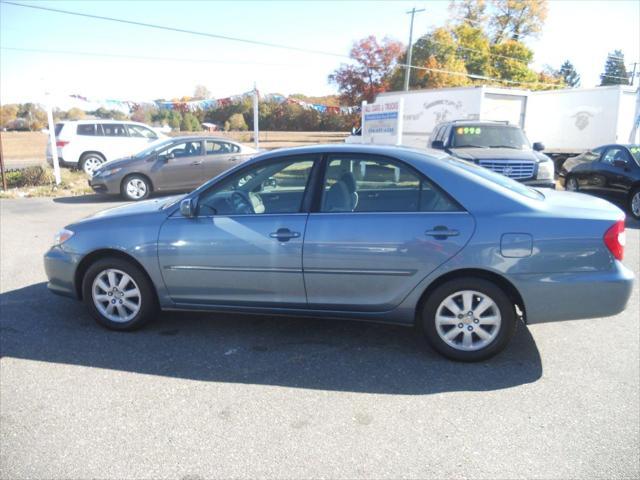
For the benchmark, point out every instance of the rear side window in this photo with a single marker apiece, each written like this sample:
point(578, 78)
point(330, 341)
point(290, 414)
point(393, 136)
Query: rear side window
point(113, 130)
point(216, 147)
point(141, 132)
point(377, 184)
point(58, 128)
point(86, 129)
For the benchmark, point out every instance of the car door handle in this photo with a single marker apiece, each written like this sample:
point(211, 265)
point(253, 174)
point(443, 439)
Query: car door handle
point(197, 162)
point(233, 159)
point(284, 234)
point(441, 232)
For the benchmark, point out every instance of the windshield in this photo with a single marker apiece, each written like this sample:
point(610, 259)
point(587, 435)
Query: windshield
point(154, 147)
point(501, 180)
point(489, 136)
point(635, 151)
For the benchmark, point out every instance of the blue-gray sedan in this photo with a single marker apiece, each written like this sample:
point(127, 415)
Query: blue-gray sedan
point(357, 232)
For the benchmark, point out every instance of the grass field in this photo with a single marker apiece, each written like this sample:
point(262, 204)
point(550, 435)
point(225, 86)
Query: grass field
point(28, 148)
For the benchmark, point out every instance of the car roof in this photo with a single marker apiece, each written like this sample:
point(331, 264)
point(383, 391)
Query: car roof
point(204, 137)
point(104, 120)
point(479, 122)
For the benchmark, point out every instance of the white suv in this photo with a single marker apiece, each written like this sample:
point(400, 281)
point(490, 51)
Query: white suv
point(87, 144)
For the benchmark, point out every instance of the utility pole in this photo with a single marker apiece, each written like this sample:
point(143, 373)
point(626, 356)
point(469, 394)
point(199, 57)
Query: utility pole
point(4, 178)
point(256, 116)
point(633, 75)
point(407, 72)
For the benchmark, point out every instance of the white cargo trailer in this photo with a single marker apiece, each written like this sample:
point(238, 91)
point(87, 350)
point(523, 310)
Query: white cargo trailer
point(570, 121)
point(567, 121)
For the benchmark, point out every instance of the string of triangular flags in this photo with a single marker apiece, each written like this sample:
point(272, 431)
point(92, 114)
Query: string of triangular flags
point(186, 104)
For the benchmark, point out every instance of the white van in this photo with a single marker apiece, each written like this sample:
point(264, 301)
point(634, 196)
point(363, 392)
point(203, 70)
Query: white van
point(87, 144)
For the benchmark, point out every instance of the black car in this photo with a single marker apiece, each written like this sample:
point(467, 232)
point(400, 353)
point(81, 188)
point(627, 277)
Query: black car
point(498, 146)
point(611, 171)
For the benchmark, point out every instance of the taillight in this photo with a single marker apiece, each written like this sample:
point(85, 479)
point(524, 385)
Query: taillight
point(61, 143)
point(615, 238)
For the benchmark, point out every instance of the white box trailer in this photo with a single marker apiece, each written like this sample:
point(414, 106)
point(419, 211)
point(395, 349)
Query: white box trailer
point(424, 109)
point(570, 121)
point(567, 121)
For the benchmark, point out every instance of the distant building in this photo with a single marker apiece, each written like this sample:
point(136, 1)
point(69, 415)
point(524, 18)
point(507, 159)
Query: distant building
point(210, 127)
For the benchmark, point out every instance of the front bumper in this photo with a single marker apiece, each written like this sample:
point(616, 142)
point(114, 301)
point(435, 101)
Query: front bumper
point(540, 183)
point(60, 267)
point(571, 296)
point(109, 185)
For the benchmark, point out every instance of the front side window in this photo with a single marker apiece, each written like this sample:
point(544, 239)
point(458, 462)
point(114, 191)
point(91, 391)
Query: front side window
point(214, 147)
point(356, 183)
point(113, 130)
point(141, 132)
point(275, 188)
point(184, 149)
point(615, 154)
point(86, 129)
point(489, 136)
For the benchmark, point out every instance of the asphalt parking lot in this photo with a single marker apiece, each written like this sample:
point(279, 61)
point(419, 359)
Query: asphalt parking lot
point(197, 396)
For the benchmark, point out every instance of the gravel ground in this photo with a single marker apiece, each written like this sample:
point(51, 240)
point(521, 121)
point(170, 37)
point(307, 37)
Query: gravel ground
point(199, 396)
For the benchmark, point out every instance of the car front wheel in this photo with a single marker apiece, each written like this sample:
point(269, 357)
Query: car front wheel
point(571, 184)
point(135, 187)
point(118, 294)
point(468, 319)
point(634, 204)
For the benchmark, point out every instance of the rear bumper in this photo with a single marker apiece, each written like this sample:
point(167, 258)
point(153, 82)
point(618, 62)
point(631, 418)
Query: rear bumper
point(570, 296)
point(60, 268)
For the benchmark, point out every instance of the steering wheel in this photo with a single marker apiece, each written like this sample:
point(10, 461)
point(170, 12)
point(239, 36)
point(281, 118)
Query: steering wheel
point(240, 203)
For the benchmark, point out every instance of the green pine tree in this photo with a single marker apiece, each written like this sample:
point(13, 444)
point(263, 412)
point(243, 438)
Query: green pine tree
point(569, 74)
point(615, 72)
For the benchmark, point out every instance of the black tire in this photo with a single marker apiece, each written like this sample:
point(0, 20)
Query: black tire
point(569, 178)
point(89, 159)
point(144, 187)
point(505, 331)
point(633, 193)
point(148, 304)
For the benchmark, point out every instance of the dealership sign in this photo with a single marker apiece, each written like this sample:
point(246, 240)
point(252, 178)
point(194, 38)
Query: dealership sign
point(382, 122)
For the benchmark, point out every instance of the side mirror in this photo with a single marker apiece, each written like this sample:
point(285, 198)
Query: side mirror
point(620, 163)
point(538, 146)
point(188, 207)
point(437, 144)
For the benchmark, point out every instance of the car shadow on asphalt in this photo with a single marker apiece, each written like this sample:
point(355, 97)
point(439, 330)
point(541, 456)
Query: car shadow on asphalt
point(88, 198)
point(291, 352)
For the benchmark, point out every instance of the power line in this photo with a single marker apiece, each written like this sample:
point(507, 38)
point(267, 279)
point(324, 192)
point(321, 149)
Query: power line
point(143, 57)
point(480, 77)
point(179, 30)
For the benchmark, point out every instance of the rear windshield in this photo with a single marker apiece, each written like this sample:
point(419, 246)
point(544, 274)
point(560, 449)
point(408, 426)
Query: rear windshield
point(489, 136)
point(58, 128)
point(501, 180)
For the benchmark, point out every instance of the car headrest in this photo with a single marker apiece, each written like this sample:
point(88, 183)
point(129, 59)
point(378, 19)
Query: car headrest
point(349, 180)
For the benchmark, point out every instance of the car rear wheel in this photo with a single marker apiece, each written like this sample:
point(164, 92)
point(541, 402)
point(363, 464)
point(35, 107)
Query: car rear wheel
point(90, 162)
point(571, 184)
point(468, 319)
point(634, 204)
point(118, 294)
point(135, 187)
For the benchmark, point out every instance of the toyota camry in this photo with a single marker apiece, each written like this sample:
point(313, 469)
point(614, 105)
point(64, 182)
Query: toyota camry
point(382, 234)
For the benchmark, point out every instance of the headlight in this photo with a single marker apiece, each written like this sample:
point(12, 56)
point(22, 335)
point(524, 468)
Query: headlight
point(546, 170)
point(107, 172)
point(62, 236)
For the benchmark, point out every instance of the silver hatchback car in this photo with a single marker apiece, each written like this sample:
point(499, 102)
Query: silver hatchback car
point(357, 232)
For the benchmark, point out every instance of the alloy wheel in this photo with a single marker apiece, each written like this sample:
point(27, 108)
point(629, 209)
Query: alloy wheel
point(468, 320)
point(91, 164)
point(635, 204)
point(116, 295)
point(136, 188)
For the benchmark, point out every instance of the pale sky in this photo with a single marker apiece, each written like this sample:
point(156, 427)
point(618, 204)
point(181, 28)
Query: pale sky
point(581, 31)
